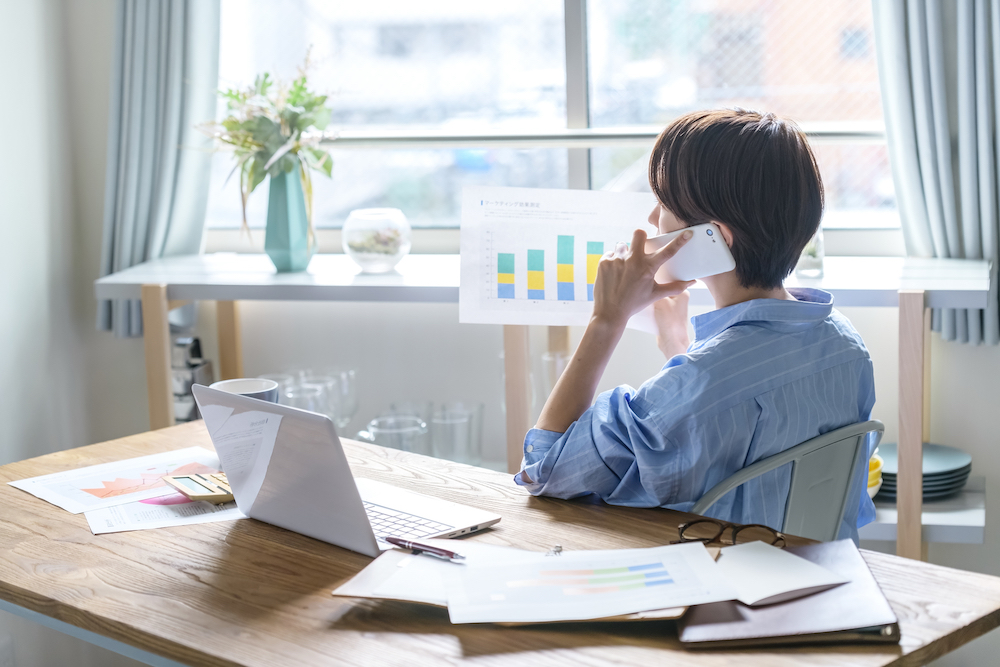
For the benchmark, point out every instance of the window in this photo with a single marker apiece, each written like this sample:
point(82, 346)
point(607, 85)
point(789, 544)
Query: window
point(440, 74)
point(651, 61)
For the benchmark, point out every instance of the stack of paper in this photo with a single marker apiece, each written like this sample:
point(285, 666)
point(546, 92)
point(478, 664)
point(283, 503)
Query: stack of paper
point(130, 494)
point(499, 585)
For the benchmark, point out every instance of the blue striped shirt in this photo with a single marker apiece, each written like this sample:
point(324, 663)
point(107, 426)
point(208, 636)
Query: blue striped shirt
point(760, 377)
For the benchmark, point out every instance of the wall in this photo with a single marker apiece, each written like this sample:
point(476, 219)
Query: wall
point(68, 385)
point(64, 384)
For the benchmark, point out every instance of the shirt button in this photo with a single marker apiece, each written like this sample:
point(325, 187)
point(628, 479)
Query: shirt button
point(529, 448)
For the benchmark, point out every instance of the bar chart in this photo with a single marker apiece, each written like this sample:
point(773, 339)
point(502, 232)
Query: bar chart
point(532, 256)
point(532, 263)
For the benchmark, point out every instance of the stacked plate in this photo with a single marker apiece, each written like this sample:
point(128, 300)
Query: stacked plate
point(946, 469)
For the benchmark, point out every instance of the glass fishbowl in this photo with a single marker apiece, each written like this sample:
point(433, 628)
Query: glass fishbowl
point(376, 238)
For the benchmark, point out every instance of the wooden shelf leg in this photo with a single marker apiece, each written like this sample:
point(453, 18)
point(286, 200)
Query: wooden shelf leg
point(227, 315)
point(156, 341)
point(517, 392)
point(909, 480)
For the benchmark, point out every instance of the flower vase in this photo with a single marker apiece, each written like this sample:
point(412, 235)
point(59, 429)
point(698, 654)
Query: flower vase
point(286, 239)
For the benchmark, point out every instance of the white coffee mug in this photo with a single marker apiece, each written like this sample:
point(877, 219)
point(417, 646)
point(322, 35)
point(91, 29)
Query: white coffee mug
point(259, 388)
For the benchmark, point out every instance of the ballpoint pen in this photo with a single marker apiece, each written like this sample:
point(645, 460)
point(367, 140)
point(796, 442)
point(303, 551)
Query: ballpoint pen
point(419, 548)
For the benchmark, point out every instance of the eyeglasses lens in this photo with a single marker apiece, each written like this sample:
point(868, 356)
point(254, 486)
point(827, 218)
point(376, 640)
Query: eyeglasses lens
point(701, 531)
point(754, 534)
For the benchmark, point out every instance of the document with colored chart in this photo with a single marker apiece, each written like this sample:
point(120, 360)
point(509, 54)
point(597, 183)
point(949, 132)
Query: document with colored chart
point(110, 484)
point(175, 509)
point(582, 585)
point(529, 256)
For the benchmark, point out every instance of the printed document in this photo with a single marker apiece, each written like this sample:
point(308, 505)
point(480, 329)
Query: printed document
point(163, 512)
point(530, 255)
point(244, 442)
point(110, 484)
point(582, 585)
point(763, 574)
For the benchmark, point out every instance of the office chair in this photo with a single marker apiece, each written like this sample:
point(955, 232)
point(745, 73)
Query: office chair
point(821, 477)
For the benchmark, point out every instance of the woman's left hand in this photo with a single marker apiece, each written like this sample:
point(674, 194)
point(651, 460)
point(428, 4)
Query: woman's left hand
point(626, 280)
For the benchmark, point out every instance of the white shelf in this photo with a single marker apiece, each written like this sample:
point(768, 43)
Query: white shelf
point(853, 281)
point(960, 519)
point(229, 276)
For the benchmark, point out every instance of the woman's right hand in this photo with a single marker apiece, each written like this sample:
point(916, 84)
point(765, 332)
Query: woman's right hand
point(626, 279)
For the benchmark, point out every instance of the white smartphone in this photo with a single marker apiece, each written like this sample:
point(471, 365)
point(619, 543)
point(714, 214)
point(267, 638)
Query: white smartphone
point(706, 254)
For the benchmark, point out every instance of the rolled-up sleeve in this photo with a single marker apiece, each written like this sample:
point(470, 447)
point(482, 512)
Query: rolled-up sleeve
point(572, 464)
point(600, 452)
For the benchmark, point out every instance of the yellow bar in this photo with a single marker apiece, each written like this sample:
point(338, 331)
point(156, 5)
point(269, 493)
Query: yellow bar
point(536, 280)
point(505, 278)
point(564, 273)
point(592, 261)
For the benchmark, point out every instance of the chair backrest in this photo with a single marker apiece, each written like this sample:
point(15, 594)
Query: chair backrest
point(821, 477)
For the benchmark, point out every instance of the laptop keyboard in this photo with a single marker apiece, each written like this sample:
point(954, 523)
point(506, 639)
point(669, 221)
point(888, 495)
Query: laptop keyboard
point(393, 523)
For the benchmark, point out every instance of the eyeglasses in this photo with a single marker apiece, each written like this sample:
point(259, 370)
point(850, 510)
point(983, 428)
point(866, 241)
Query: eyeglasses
point(709, 531)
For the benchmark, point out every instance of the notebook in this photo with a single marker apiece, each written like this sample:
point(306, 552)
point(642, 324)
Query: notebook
point(853, 612)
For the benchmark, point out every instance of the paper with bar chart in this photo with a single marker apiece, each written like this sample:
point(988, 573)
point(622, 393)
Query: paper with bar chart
point(580, 585)
point(111, 484)
point(529, 256)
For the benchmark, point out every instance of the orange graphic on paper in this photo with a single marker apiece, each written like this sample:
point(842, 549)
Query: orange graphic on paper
point(152, 480)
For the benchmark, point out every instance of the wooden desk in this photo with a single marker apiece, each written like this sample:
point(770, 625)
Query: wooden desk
point(247, 593)
point(913, 284)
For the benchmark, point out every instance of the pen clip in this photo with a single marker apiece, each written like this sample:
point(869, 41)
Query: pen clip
point(457, 558)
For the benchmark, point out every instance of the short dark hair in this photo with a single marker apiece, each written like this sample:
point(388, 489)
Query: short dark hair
point(752, 171)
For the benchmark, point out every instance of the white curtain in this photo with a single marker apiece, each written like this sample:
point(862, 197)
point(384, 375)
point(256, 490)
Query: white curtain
point(938, 66)
point(164, 83)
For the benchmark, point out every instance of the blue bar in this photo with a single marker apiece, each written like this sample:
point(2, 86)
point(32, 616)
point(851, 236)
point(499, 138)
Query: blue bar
point(536, 294)
point(660, 582)
point(565, 291)
point(590, 292)
point(505, 291)
point(650, 566)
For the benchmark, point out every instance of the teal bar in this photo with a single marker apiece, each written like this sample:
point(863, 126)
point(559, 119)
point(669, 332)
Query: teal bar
point(536, 260)
point(505, 262)
point(565, 254)
point(595, 247)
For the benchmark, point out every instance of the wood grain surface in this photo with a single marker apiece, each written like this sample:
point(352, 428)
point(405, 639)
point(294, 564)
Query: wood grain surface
point(247, 593)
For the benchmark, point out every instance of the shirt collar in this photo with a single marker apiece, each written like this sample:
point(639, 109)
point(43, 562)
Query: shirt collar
point(811, 306)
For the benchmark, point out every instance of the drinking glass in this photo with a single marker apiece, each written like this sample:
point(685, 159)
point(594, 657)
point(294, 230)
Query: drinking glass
point(331, 389)
point(403, 432)
point(346, 388)
point(422, 409)
point(456, 432)
point(311, 397)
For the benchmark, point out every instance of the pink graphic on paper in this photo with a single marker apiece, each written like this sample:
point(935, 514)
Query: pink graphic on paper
point(172, 499)
point(148, 480)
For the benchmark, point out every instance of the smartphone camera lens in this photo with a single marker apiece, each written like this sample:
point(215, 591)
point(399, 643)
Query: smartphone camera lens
point(708, 231)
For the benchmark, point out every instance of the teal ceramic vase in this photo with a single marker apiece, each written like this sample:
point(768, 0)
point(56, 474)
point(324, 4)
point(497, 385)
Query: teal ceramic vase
point(286, 239)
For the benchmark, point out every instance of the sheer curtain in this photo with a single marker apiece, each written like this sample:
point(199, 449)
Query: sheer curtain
point(938, 66)
point(164, 81)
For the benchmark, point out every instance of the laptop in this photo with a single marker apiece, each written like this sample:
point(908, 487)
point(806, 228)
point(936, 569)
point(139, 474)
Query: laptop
point(287, 467)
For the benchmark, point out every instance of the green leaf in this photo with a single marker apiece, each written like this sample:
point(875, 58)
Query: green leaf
point(290, 116)
point(257, 173)
point(318, 118)
point(262, 83)
point(322, 161)
point(267, 134)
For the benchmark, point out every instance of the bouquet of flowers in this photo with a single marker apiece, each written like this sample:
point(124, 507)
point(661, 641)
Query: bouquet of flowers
point(267, 130)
